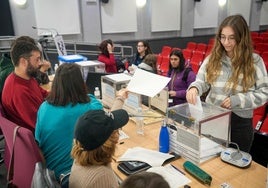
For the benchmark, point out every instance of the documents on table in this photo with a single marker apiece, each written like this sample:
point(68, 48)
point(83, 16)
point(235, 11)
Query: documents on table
point(146, 83)
point(171, 175)
point(152, 157)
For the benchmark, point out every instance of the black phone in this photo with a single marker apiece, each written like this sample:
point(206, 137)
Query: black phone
point(132, 167)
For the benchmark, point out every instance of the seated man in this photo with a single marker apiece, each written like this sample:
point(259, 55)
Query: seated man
point(22, 95)
point(6, 65)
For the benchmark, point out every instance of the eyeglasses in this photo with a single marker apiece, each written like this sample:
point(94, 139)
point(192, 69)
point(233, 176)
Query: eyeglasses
point(140, 46)
point(230, 38)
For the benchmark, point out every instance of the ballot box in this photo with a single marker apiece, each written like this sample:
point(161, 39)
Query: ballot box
point(90, 66)
point(112, 83)
point(198, 135)
point(160, 101)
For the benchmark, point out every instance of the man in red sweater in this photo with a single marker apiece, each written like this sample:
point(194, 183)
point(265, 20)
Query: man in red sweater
point(22, 95)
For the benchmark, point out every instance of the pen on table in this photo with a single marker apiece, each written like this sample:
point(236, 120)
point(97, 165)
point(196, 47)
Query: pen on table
point(177, 169)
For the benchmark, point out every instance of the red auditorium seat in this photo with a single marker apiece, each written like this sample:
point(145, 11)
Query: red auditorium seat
point(191, 45)
point(201, 47)
point(211, 41)
point(264, 56)
point(164, 66)
point(166, 50)
point(256, 40)
point(261, 47)
point(187, 54)
point(254, 34)
point(197, 55)
point(158, 63)
point(209, 48)
point(264, 35)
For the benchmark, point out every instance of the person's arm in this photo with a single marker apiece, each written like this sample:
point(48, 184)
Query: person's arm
point(45, 66)
point(256, 95)
point(106, 60)
point(120, 99)
point(199, 86)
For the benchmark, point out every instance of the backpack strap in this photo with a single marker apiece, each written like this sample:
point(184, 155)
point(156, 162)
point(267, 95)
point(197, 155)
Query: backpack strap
point(186, 73)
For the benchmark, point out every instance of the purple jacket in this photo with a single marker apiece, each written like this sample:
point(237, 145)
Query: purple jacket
point(180, 86)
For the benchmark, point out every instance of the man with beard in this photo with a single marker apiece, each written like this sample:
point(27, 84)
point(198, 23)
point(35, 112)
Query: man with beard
point(22, 95)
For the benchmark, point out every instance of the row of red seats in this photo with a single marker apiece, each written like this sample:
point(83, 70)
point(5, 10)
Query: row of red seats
point(194, 53)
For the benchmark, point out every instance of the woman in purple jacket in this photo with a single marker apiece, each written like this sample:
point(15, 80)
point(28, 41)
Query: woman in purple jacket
point(181, 77)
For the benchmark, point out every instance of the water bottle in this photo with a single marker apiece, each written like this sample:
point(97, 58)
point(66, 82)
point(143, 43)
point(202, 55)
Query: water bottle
point(56, 67)
point(97, 93)
point(139, 121)
point(164, 139)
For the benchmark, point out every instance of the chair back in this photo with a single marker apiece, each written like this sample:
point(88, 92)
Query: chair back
point(24, 151)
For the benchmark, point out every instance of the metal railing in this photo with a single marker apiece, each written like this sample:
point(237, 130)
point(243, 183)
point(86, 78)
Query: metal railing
point(72, 47)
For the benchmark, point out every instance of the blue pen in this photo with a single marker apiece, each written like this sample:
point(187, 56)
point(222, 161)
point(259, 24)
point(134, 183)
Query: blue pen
point(177, 169)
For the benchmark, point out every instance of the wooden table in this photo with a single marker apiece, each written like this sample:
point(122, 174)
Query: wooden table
point(252, 177)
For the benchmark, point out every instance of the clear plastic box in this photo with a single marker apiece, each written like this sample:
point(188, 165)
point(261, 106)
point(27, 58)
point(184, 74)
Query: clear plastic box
point(198, 136)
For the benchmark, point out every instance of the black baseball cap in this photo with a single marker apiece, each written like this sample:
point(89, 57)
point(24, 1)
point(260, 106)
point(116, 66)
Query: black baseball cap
point(94, 127)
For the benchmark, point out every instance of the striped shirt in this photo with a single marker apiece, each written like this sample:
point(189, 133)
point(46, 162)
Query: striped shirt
point(242, 103)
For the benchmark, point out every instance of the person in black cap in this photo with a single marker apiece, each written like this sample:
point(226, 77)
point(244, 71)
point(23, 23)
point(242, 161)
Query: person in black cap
point(95, 137)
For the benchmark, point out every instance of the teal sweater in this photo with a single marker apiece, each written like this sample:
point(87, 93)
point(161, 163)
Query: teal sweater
point(54, 132)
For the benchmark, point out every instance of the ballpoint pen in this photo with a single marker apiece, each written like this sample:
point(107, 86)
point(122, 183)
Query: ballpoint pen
point(177, 169)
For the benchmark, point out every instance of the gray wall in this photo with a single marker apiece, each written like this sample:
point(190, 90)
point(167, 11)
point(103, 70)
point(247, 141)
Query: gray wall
point(90, 16)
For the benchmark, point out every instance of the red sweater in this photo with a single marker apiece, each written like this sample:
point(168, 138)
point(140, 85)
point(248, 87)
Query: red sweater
point(21, 99)
point(110, 65)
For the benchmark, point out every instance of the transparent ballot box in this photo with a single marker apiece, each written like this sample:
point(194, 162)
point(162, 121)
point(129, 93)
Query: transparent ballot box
point(198, 135)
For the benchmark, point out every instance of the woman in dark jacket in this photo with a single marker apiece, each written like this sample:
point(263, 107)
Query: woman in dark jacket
point(143, 49)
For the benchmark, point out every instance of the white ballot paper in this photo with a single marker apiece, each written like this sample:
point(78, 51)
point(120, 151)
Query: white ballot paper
point(152, 157)
point(197, 109)
point(147, 83)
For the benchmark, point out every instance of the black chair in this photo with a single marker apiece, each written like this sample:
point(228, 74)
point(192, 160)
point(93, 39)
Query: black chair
point(94, 80)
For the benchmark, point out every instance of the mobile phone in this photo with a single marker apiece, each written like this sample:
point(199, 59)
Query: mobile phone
point(132, 167)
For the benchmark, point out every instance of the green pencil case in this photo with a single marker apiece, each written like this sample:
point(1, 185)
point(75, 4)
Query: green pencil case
point(197, 172)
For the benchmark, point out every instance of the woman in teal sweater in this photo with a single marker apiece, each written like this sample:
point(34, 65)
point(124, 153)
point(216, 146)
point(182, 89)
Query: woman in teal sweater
point(57, 116)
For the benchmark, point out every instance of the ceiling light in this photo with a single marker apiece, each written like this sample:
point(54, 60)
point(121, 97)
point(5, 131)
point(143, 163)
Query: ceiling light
point(222, 2)
point(140, 3)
